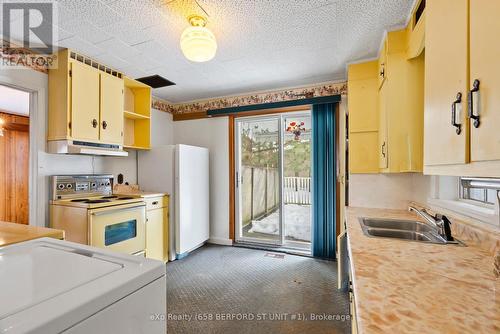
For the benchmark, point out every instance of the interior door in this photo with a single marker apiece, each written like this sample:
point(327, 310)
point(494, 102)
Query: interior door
point(446, 73)
point(258, 181)
point(111, 101)
point(84, 102)
point(485, 68)
point(14, 169)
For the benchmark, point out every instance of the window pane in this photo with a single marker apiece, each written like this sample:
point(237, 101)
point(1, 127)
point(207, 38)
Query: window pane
point(491, 196)
point(477, 194)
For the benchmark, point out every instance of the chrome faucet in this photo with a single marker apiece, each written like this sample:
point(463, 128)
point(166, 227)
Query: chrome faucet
point(440, 222)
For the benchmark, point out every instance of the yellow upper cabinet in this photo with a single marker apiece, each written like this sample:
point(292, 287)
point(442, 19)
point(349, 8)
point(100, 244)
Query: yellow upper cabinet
point(416, 31)
point(446, 76)
point(485, 75)
point(462, 88)
point(382, 62)
point(137, 115)
point(382, 149)
point(401, 108)
point(85, 101)
point(111, 125)
point(386, 107)
point(362, 103)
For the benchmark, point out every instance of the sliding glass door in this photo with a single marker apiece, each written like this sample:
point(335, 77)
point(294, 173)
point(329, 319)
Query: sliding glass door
point(258, 185)
point(273, 173)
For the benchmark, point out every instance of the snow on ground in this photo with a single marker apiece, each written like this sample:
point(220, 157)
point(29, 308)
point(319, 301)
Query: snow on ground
point(297, 222)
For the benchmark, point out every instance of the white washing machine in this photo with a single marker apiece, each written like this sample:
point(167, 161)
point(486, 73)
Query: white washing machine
point(53, 286)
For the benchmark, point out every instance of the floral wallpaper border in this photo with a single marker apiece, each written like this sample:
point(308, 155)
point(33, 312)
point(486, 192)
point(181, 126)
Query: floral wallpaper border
point(12, 56)
point(334, 88)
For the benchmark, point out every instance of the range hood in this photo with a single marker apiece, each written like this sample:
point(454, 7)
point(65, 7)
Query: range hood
point(83, 147)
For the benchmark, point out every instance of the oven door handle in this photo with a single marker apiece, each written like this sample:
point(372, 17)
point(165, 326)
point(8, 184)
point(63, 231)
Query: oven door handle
point(105, 212)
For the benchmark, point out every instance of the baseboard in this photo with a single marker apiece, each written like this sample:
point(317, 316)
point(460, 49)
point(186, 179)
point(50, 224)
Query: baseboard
point(220, 241)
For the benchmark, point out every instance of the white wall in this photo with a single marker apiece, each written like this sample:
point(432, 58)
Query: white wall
point(213, 134)
point(389, 191)
point(162, 128)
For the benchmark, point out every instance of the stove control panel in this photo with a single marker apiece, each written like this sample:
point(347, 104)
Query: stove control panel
point(74, 186)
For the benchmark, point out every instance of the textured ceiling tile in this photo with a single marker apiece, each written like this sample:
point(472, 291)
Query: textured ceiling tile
point(116, 62)
point(92, 10)
point(138, 14)
point(262, 44)
point(127, 33)
point(85, 30)
point(133, 72)
point(117, 47)
point(82, 46)
point(62, 34)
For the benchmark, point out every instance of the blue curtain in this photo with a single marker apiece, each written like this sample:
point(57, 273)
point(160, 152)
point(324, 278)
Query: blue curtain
point(323, 180)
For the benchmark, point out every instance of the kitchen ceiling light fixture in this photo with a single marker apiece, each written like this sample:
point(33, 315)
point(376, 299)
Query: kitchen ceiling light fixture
point(198, 43)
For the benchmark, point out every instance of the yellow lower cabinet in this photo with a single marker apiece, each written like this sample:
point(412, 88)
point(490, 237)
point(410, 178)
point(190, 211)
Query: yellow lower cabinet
point(157, 234)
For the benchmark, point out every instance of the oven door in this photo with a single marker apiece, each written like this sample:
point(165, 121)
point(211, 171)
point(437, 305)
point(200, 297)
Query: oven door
point(120, 228)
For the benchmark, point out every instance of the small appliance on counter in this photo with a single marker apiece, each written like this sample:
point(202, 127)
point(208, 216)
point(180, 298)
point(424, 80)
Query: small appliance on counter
point(86, 209)
point(54, 286)
point(183, 172)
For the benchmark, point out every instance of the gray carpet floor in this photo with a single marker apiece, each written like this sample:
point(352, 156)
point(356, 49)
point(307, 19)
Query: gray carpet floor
point(221, 289)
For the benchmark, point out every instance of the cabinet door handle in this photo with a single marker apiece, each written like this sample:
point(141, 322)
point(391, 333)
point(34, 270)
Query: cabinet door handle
point(382, 72)
point(383, 146)
point(472, 115)
point(454, 123)
point(94, 123)
point(104, 125)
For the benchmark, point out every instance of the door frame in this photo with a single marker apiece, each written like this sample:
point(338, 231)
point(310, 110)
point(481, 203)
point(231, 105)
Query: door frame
point(37, 214)
point(235, 173)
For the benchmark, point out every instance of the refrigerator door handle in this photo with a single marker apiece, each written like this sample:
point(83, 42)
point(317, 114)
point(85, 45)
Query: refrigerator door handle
point(237, 180)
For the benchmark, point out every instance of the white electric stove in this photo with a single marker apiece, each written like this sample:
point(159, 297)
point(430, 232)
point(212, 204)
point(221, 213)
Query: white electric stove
point(53, 286)
point(86, 209)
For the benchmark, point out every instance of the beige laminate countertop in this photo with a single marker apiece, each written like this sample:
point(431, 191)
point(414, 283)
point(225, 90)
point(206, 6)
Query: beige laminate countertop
point(410, 287)
point(11, 233)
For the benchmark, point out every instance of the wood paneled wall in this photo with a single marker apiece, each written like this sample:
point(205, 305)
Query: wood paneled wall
point(14, 169)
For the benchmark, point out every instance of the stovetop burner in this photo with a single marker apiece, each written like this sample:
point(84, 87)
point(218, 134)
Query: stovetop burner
point(109, 197)
point(124, 198)
point(80, 200)
point(94, 201)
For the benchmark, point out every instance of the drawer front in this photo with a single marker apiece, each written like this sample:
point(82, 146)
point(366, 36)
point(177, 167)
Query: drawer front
point(156, 202)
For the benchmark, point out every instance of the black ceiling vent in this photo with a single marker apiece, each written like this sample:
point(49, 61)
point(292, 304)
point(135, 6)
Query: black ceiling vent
point(156, 81)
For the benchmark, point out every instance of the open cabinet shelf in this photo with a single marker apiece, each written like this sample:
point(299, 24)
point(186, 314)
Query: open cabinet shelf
point(137, 115)
point(133, 115)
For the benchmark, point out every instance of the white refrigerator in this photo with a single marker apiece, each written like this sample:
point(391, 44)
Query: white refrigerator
point(183, 172)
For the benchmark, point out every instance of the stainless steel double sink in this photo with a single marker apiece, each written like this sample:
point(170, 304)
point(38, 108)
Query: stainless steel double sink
point(402, 229)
